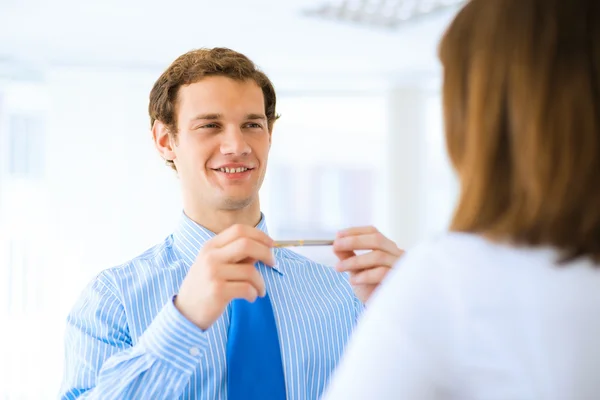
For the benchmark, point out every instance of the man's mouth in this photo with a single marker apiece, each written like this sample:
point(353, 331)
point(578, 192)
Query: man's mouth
point(233, 170)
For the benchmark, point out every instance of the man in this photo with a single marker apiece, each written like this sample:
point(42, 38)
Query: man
point(215, 310)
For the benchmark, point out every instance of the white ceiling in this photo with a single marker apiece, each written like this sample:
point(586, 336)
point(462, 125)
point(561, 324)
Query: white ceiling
point(150, 33)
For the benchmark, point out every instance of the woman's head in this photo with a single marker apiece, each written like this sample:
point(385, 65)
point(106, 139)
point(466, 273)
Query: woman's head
point(521, 100)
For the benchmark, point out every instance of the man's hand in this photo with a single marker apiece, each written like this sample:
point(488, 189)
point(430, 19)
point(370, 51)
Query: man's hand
point(369, 269)
point(224, 270)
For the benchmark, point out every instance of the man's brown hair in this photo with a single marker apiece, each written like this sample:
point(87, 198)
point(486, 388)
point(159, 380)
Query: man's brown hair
point(195, 65)
point(521, 98)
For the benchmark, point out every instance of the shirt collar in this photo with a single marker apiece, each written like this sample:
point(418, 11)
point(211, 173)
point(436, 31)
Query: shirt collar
point(189, 237)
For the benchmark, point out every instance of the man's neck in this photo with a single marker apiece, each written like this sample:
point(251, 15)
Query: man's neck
point(218, 220)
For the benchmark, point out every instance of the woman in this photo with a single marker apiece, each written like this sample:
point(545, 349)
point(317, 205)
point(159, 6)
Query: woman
point(507, 304)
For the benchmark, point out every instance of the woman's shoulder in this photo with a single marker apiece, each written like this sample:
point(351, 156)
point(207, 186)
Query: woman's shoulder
point(471, 264)
point(435, 264)
point(455, 259)
point(448, 247)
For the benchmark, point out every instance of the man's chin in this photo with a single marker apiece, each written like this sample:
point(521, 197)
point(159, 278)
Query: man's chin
point(232, 203)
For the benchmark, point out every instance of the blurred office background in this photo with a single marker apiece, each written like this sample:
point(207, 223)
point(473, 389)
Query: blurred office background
point(360, 140)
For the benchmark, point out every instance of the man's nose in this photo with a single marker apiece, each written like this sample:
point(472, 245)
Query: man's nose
point(234, 142)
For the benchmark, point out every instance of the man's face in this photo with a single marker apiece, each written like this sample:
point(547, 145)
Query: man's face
point(223, 142)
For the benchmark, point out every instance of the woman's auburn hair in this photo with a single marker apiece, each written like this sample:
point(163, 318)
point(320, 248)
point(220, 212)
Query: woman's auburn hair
point(521, 97)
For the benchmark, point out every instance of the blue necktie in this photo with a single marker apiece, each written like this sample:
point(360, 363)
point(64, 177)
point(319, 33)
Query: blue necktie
point(254, 366)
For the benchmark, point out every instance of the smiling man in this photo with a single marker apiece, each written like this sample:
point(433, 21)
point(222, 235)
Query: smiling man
point(214, 311)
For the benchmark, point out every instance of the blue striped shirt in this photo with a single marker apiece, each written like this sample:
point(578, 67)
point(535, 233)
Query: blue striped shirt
point(126, 340)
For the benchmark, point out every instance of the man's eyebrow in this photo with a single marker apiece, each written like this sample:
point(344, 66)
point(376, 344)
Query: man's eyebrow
point(210, 116)
point(215, 116)
point(256, 116)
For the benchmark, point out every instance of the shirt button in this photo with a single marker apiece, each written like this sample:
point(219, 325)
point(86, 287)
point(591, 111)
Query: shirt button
point(194, 351)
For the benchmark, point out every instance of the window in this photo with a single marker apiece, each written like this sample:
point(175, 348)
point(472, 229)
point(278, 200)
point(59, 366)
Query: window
point(25, 146)
point(325, 168)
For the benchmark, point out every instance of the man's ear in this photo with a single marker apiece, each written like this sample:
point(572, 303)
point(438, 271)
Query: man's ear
point(162, 141)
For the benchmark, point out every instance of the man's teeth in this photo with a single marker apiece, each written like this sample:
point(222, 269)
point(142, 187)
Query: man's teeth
point(233, 170)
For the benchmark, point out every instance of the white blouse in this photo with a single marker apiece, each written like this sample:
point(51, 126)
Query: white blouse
point(463, 318)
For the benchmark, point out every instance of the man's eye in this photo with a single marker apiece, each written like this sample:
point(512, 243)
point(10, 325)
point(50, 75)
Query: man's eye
point(254, 125)
point(209, 126)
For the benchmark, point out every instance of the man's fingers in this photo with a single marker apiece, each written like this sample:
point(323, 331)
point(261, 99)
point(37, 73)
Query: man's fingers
point(373, 276)
point(344, 255)
point(368, 260)
point(245, 248)
point(240, 290)
point(242, 273)
point(359, 230)
point(238, 231)
point(369, 241)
